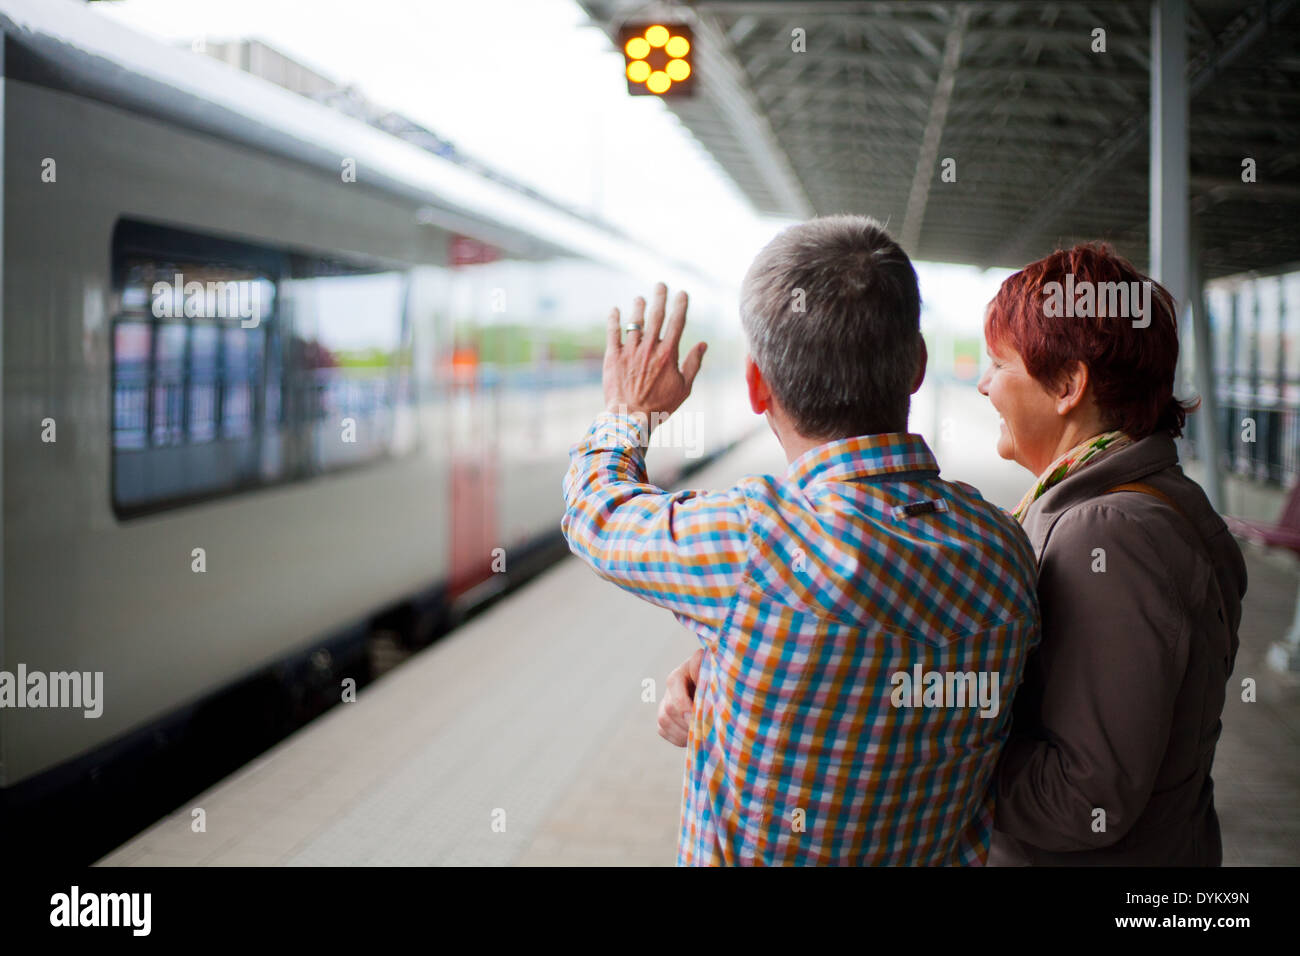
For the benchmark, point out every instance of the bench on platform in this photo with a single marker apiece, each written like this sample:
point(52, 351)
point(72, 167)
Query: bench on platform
point(1283, 534)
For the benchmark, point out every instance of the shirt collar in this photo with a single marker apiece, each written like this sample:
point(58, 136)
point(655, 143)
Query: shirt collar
point(862, 456)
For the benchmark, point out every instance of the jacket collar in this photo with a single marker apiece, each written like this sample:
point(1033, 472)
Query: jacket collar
point(861, 457)
point(1113, 467)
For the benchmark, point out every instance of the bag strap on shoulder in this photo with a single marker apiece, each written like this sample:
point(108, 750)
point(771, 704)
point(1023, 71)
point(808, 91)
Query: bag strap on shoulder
point(1145, 489)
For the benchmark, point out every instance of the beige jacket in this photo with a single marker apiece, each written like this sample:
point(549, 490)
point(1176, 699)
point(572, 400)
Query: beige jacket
point(1115, 725)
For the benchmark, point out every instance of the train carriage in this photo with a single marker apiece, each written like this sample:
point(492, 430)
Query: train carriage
point(252, 404)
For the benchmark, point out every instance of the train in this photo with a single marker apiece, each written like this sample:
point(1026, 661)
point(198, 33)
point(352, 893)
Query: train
point(272, 376)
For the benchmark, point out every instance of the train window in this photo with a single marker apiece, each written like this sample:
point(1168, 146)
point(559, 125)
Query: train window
point(349, 363)
point(168, 380)
point(236, 365)
point(203, 382)
point(240, 363)
point(182, 384)
point(131, 345)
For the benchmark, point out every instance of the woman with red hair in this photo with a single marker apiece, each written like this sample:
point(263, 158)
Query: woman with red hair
point(1139, 581)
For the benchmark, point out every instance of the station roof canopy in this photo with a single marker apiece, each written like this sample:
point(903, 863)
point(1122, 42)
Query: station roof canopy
point(1049, 139)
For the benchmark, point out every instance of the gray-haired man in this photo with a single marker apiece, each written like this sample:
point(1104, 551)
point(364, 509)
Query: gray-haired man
point(863, 623)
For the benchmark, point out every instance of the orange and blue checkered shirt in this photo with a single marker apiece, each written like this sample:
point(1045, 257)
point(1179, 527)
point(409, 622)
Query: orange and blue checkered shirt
point(849, 611)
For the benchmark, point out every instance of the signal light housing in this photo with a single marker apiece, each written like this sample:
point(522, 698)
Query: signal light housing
point(658, 58)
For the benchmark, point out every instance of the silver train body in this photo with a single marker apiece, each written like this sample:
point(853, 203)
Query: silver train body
point(184, 503)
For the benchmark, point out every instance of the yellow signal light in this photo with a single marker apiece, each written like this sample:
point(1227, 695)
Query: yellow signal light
point(657, 58)
point(657, 35)
point(677, 70)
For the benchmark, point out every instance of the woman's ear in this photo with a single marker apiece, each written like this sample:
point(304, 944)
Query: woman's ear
point(1072, 388)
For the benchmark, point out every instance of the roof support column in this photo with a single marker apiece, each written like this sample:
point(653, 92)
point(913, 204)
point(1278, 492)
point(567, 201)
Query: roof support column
point(1208, 429)
point(1171, 252)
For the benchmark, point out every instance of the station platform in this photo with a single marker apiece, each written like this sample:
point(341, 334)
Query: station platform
point(534, 708)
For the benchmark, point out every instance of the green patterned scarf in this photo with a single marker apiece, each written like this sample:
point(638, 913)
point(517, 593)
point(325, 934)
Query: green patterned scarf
point(1068, 464)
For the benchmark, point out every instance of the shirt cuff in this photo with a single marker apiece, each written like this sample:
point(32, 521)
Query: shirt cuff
point(617, 430)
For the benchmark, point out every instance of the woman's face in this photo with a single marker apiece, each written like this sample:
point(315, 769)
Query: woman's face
point(1030, 427)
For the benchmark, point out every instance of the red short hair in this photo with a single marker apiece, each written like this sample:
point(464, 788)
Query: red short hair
point(1131, 370)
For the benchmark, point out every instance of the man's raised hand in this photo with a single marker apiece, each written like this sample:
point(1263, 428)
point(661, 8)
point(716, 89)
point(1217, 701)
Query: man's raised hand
point(641, 375)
